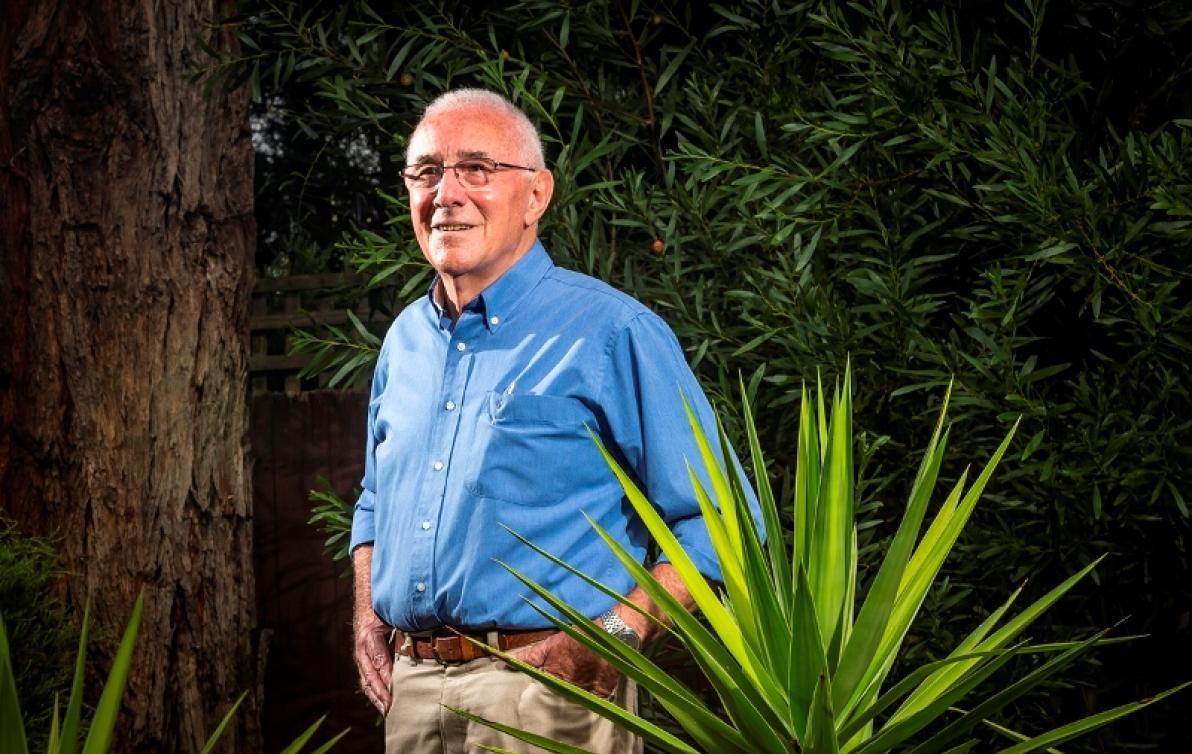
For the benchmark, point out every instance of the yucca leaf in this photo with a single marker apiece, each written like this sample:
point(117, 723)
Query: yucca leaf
point(807, 464)
point(323, 749)
point(1087, 724)
point(12, 726)
point(722, 620)
point(867, 713)
point(103, 722)
point(998, 639)
point(808, 657)
point(861, 653)
point(296, 745)
point(1012, 734)
point(821, 728)
point(705, 726)
point(997, 701)
point(605, 708)
point(533, 739)
point(774, 542)
point(213, 739)
point(716, 476)
point(68, 742)
point(750, 702)
point(895, 732)
point(722, 670)
point(53, 743)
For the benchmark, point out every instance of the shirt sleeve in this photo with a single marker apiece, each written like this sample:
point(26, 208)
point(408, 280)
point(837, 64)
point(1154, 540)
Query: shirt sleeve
point(363, 524)
point(642, 399)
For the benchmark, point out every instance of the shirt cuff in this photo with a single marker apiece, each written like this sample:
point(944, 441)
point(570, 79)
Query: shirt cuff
point(363, 527)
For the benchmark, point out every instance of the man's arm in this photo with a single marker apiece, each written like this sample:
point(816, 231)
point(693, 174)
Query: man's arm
point(374, 658)
point(566, 658)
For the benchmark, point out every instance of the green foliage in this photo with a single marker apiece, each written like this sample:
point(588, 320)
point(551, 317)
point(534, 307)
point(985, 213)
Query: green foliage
point(37, 622)
point(333, 517)
point(65, 732)
point(799, 662)
point(1000, 193)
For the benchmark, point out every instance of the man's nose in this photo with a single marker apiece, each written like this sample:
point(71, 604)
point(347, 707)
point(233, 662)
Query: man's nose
point(450, 191)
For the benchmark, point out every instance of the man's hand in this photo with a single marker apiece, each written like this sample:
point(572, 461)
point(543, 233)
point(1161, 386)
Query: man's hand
point(374, 658)
point(565, 658)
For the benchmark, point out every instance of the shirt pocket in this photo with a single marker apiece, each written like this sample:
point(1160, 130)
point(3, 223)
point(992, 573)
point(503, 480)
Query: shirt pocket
point(528, 447)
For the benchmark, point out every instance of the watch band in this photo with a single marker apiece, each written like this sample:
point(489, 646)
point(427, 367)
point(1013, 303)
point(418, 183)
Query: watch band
point(619, 629)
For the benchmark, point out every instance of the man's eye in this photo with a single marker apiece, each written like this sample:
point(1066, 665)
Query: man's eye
point(473, 168)
point(422, 172)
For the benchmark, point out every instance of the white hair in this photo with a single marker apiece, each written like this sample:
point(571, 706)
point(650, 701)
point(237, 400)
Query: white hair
point(530, 142)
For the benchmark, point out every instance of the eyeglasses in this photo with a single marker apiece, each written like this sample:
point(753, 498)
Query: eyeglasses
point(470, 173)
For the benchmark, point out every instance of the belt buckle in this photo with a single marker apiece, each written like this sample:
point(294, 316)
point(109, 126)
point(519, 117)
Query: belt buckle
point(409, 649)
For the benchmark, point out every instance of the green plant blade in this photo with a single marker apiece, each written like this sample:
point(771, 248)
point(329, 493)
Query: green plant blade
point(1087, 724)
point(103, 723)
point(895, 732)
point(997, 639)
point(966, 722)
point(904, 686)
point(296, 745)
point(213, 739)
point(601, 706)
point(72, 722)
point(860, 653)
point(12, 726)
point(808, 658)
point(831, 537)
point(533, 739)
point(331, 743)
point(774, 542)
point(706, 727)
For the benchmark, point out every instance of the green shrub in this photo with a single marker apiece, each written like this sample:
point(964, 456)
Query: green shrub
point(37, 622)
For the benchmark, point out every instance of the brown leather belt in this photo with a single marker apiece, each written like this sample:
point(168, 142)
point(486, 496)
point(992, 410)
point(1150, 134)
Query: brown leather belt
point(444, 646)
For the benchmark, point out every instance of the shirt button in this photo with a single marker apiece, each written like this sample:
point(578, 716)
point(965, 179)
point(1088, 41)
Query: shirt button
point(460, 346)
point(438, 466)
point(449, 405)
point(420, 586)
point(425, 525)
point(494, 320)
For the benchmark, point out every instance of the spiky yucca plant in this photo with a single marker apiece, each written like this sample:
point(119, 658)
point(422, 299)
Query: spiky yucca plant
point(798, 662)
point(66, 731)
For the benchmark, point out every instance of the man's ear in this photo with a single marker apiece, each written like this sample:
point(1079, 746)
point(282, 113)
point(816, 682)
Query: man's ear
point(541, 191)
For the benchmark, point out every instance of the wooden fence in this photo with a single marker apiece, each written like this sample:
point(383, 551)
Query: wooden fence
point(304, 437)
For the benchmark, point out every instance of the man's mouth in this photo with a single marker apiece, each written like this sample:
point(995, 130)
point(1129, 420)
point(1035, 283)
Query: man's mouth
point(451, 227)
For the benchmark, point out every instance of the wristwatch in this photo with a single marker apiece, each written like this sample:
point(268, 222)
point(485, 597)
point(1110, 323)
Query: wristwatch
point(619, 629)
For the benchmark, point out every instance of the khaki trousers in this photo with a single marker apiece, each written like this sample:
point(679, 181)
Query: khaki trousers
point(420, 723)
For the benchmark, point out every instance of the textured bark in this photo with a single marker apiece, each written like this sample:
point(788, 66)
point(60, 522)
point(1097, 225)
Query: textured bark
point(127, 231)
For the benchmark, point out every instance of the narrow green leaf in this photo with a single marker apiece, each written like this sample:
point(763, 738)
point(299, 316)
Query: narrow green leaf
point(1088, 724)
point(213, 739)
point(103, 722)
point(12, 726)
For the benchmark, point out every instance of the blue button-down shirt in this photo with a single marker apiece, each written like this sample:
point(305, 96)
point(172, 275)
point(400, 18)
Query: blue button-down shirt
point(482, 424)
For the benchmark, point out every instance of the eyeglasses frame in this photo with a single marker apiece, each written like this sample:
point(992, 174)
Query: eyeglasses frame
point(497, 167)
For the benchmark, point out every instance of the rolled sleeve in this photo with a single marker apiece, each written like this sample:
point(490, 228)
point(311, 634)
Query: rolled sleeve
point(363, 522)
point(647, 379)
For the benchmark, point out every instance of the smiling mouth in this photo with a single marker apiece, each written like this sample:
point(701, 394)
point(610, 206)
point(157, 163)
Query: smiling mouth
point(451, 227)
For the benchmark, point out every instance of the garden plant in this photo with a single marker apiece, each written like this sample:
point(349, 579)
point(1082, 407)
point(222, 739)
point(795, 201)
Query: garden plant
point(798, 660)
point(67, 730)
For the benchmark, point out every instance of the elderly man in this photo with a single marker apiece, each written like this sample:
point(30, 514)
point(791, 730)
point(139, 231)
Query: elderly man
point(477, 425)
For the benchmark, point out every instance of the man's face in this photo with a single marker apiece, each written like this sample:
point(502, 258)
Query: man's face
point(475, 234)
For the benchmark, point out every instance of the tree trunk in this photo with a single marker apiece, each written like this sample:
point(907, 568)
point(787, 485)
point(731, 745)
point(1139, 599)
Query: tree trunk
point(127, 231)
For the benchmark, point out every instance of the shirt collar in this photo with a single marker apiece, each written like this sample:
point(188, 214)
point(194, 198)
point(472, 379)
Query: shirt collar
point(498, 301)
